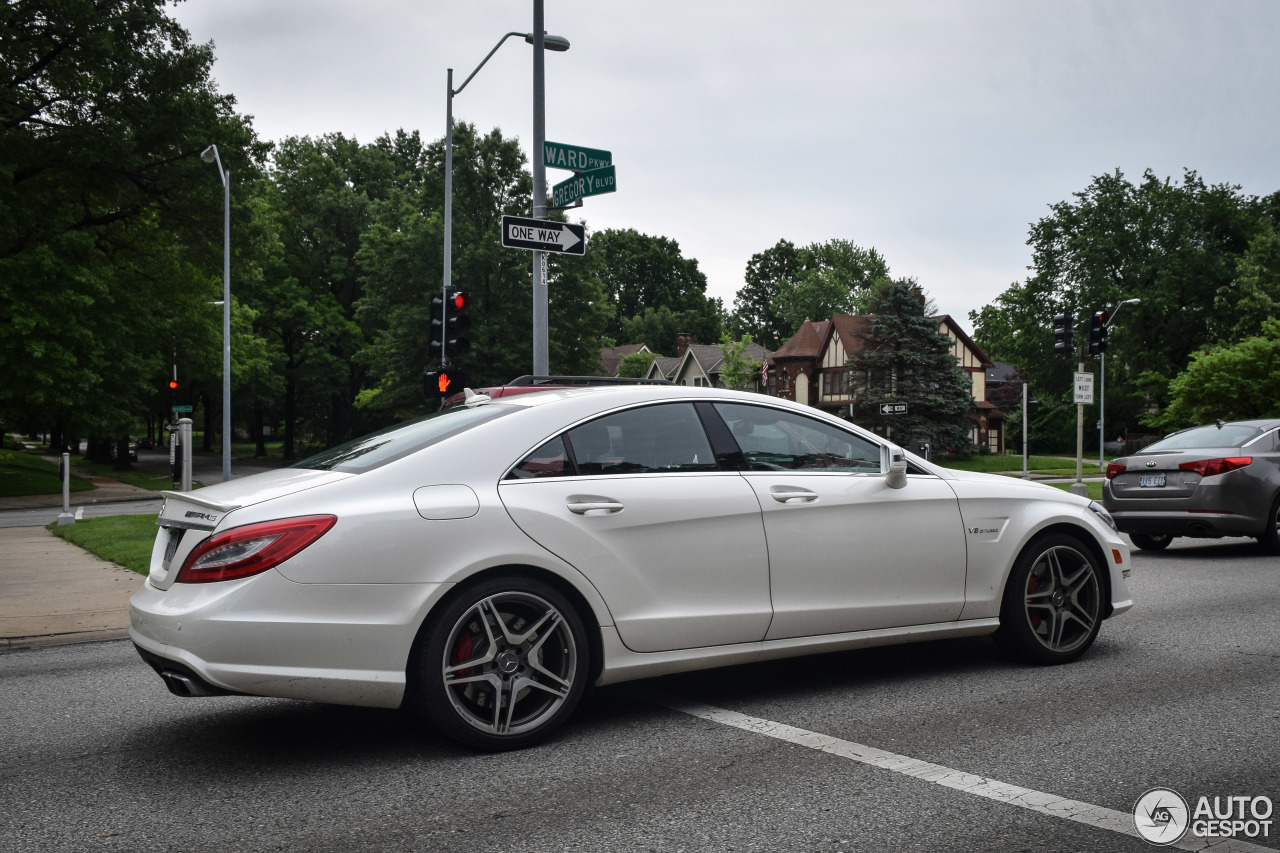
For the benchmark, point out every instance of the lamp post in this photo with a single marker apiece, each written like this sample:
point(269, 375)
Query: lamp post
point(1102, 390)
point(539, 40)
point(210, 155)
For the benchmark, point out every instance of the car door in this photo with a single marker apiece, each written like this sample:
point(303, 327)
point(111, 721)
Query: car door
point(635, 501)
point(846, 551)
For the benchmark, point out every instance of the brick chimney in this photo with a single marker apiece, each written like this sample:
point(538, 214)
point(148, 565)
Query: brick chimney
point(682, 344)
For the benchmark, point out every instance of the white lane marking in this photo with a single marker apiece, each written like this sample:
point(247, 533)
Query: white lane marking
point(1014, 795)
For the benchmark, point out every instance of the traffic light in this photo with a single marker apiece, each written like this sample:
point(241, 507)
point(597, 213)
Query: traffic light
point(449, 323)
point(1063, 335)
point(444, 382)
point(1098, 332)
point(173, 385)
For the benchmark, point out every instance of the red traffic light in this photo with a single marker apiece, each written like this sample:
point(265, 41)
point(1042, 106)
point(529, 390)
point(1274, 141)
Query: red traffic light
point(460, 301)
point(173, 385)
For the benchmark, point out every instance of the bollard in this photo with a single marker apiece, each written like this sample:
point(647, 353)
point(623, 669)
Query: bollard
point(65, 517)
point(184, 441)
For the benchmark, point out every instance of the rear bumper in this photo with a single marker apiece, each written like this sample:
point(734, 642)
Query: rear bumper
point(348, 644)
point(1207, 525)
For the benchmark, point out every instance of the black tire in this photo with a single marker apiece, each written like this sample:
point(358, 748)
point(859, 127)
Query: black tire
point(1053, 601)
point(1270, 538)
point(1151, 541)
point(529, 663)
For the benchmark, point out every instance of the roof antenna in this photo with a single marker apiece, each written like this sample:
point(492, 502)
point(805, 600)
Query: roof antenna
point(1221, 423)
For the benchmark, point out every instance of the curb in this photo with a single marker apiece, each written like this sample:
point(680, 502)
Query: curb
point(13, 644)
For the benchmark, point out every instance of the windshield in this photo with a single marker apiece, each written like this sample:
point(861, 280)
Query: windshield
point(387, 445)
point(1228, 435)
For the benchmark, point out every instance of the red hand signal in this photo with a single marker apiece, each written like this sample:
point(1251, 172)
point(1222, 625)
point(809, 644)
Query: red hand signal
point(444, 382)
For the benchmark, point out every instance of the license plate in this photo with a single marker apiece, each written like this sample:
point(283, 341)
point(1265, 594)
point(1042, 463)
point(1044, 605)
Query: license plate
point(1148, 481)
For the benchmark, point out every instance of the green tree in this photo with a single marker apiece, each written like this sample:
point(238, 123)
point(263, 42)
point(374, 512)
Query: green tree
point(639, 272)
point(905, 359)
point(738, 371)
point(110, 226)
point(1236, 382)
point(1175, 246)
point(636, 365)
point(757, 307)
point(1254, 295)
point(784, 286)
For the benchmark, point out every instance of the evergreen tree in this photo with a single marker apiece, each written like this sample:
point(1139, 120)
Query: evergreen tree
point(905, 359)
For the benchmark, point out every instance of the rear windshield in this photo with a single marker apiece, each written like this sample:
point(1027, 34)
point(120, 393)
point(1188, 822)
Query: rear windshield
point(387, 445)
point(1228, 435)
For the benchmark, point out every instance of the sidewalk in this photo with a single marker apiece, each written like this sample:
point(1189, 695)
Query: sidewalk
point(52, 592)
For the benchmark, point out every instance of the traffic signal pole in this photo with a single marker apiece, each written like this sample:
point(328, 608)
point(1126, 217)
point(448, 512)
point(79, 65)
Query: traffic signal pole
point(1078, 487)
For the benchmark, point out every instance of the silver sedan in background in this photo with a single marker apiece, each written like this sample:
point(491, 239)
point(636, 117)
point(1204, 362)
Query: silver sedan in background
point(1204, 482)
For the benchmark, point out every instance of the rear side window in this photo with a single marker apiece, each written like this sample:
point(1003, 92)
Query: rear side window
point(662, 439)
point(394, 442)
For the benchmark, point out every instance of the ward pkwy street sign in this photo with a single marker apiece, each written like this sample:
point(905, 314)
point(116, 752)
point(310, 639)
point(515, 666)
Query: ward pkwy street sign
point(563, 237)
point(893, 408)
point(590, 182)
point(575, 158)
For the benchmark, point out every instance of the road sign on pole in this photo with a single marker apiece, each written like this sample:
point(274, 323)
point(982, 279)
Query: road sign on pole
point(1084, 388)
point(893, 408)
point(590, 182)
point(575, 158)
point(541, 235)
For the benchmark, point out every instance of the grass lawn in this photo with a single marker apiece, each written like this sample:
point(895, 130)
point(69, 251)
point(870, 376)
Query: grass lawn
point(122, 539)
point(1095, 488)
point(995, 464)
point(137, 477)
point(24, 474)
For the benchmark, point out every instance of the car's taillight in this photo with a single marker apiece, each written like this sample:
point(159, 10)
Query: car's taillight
point(1210, 467)
point(251, 549)
point(1114, 468)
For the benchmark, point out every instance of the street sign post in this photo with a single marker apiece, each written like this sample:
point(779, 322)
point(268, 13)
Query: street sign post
point(583, 184)
point(575, 158)
point(1084, 388)
point(893, 408)
point(541, 235)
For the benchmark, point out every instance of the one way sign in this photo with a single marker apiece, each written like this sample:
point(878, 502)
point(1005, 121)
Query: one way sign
point(564, 237)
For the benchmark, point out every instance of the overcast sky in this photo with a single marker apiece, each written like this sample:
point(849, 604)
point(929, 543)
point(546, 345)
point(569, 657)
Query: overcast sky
point(935, 131)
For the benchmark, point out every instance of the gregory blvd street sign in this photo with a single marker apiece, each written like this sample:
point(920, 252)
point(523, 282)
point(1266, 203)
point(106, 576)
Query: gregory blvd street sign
point(575, 158)
point(590, 182)
point(539, 234)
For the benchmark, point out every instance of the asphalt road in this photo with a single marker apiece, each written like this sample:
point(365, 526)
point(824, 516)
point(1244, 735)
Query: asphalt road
point(1182, 692)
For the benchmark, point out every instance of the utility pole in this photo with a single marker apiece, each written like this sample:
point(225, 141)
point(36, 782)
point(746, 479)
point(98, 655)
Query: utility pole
point(541, 334)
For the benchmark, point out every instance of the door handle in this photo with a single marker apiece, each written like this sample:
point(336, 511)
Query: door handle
point(792, 494)
point(603, 506)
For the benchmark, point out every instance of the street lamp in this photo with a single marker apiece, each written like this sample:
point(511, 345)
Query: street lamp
point(539, 40)
point(210, 155)
point(1102, 389)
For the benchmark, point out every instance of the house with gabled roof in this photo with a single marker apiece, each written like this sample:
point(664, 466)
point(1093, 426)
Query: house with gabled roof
point(812, 368)
point(699, 364)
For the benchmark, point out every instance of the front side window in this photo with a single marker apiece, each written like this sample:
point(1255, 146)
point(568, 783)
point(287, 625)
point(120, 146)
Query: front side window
point(773, 440)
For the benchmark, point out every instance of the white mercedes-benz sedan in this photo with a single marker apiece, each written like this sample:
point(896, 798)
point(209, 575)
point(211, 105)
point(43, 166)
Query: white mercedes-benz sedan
point(486, 563)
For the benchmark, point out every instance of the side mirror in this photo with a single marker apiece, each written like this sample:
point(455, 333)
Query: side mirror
point(896, 476)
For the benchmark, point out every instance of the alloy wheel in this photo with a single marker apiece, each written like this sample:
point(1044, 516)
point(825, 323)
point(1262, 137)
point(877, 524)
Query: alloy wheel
point(509, 663)
point(1062, 599)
